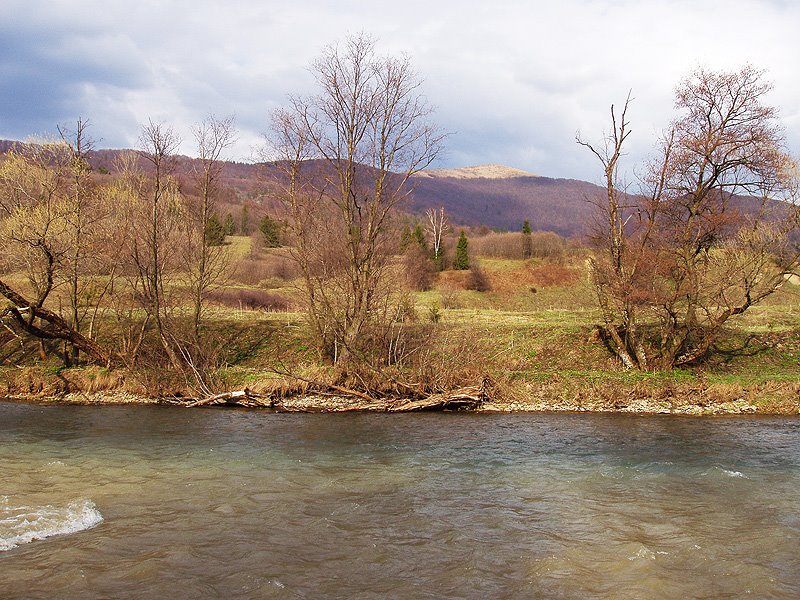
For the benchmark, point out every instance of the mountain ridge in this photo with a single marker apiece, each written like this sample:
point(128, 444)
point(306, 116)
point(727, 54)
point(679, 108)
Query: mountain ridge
point(497, 196)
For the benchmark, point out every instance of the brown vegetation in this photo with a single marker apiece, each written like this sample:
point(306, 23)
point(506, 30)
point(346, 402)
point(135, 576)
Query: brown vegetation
point(676, 265)
point(249, 299)
point(116, 269)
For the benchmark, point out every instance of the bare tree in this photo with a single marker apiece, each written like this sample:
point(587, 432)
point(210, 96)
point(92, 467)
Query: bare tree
point(710, 235)
point(82, 214)
point(153, 246)
point(437, 227)
point(368, 130)
point(35, 214)
point(206, 261)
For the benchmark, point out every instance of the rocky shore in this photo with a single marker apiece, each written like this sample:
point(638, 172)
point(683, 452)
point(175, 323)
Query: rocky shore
point(764, 400)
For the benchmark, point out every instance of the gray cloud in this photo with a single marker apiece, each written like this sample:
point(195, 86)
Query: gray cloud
point(514, 80)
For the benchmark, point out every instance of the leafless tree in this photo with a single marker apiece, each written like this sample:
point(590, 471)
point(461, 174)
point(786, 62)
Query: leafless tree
point(367, 131)
point(35, 215)
point(83, 263)
point(710, 234)
point(206, 262)
point(156, 228)
point(437, 227)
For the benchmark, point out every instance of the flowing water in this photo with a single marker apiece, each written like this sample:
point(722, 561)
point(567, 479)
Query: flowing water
point(155, 502)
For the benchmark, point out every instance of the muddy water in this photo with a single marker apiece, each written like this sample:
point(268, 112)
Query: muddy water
point(153, 502)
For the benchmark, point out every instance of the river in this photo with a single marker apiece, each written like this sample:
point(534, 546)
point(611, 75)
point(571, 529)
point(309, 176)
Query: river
point(160, 502)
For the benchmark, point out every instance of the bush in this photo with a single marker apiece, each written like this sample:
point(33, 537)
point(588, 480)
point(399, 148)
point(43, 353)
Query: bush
point(550, 274)
point(249, 299)
point(477, 279)
point(419, 268)
point(252, 271)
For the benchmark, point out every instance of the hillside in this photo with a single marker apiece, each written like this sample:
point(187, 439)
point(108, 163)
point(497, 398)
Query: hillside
point(505, 201)
point(493, 195)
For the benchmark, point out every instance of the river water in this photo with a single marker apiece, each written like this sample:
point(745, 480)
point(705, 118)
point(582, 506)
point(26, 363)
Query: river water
point(155, 502)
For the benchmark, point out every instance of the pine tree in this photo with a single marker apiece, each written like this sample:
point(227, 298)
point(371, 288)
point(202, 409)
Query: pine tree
point(418, 237)
point(527, 241)
point(405, 238)
point(229, 227)
point(270, 229)
point(244, 221)
point(214, 231)
point(461, 260)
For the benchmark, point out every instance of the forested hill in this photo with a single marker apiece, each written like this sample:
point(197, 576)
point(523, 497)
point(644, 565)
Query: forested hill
point(504, 198)
point(496, 196)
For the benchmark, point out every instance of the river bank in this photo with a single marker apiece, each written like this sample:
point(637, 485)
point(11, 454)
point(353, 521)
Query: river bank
point(766, 398)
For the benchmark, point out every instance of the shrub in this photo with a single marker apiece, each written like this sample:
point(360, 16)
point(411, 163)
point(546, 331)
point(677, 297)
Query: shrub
point(249, 299)
point(477, 279)
point(550, 274)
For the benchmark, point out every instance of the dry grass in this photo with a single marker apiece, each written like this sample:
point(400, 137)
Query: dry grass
point(250, 299)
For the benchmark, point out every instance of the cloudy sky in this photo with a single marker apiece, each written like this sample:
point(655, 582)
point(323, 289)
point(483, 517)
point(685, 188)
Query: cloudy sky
point(512, 80)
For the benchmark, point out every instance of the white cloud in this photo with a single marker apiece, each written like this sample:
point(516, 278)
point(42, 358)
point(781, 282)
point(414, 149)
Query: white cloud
point(514, 79)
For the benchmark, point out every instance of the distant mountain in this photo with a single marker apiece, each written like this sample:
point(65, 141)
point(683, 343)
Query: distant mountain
point(504, 198)
point(494, 195)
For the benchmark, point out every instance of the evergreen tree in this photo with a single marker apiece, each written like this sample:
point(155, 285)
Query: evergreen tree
point(418, 265)
point(527, 241)
point(418, 237)
point(405, 238)
point(461, 260)
point(244, 221)
point(214, 231)
point(229, 227)
point(270, 229)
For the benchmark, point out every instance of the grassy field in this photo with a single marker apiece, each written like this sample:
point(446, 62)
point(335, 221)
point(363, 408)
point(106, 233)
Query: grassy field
point(531, 333)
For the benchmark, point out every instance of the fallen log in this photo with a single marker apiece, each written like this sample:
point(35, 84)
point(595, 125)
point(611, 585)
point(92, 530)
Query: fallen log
point(468, 398)
point(243, 397)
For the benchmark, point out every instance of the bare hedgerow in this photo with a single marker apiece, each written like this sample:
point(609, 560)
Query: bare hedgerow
point(249, 299)
point(519, 246)
point(419, 269)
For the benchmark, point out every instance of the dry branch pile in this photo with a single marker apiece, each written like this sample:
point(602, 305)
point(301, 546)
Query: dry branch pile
point(343, 400)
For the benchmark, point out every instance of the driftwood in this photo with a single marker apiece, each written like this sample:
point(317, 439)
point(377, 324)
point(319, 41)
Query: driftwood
point(467, 398)
point(238, 398)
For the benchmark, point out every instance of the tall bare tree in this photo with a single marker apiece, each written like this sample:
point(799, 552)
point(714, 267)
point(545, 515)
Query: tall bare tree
point(82, 213)
point(36, 237)
point(368, 130)
point(161, 213)
point(710, 234)
point(437, 227)
point(205, 258)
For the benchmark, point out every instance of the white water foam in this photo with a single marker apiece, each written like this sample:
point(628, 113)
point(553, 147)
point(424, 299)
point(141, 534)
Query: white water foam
point(730, 473)
point(24, 524)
